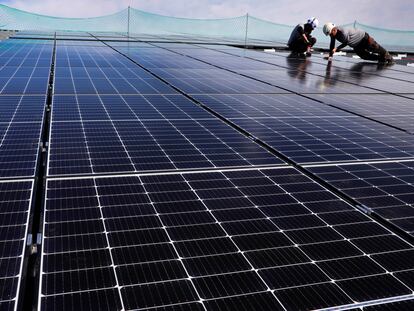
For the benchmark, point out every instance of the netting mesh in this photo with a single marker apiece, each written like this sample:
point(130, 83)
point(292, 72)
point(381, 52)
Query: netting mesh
point(148, 23)
point(14, 19)
point(393, 39)
point(245, 29)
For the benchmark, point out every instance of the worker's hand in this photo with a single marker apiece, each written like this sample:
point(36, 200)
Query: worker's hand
point(334, 50)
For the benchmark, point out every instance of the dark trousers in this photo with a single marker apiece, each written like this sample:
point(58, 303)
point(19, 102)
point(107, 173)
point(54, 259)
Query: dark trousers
point(369, 49)
point(300, 45)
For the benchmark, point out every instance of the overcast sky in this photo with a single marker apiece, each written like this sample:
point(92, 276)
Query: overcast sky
point(387, 14)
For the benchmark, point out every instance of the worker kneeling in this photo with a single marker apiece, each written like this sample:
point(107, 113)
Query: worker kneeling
point(300, 40)
point(363, 44)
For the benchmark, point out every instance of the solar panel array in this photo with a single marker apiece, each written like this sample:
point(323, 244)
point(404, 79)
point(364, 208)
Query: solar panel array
point(24, 76)
point(203, 177)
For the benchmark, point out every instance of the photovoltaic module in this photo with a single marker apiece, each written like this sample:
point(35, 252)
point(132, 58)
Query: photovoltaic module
point(143, 174)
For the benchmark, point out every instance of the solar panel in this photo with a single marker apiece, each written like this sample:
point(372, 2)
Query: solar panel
point(207, 80)
point(100, 70)
point(315, 140)
point(386, 188)
point(161, 192)
point(269, 237)
point(145, 137)
point(25, 67)
point(326, 139)
point(24, 74)
point(344, 66)
point(259, 106)
point(390, 109)
point(297, 80)
point(15, 204)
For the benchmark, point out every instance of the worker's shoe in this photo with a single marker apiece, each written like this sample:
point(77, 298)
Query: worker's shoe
point(388, 59)
point(308, 52)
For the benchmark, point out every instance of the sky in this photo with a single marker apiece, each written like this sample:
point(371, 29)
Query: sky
point(397, 14)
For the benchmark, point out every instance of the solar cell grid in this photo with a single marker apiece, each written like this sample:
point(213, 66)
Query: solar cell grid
point(296, 81)
point(20, 128)
point(210, 238)
point(213, 81)
point(393, 110)
point(24, 74)
point(347, 66)
point(100, 70)
point(25, 68)
point(267, 106)
point(387, 188)
point(322, 139)
point(15, 203)
point(220, 239)
point(166, 63)
point(327, 139)
point(125, 107)
point(94, 141)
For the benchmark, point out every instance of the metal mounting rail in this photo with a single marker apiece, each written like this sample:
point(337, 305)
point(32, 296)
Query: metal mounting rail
point(30, 286)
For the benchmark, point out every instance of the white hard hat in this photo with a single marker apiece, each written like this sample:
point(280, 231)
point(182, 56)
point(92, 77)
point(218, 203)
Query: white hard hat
point(327, 28)
point(313, 21)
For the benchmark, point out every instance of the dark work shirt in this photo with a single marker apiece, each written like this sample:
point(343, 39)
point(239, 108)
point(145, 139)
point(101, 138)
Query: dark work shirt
point(298, 32)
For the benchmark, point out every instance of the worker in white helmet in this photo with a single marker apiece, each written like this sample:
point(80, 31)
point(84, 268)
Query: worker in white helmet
point(300, 40)
point(363, 44)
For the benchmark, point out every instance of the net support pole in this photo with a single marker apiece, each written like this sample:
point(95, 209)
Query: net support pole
point(247, 29)
point(129, 13)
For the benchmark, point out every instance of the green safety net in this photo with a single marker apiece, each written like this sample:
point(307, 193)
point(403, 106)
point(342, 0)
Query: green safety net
point(397, 40)
point(243, 30)
point(14, 19)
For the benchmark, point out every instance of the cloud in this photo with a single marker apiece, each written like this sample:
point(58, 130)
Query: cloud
point(394, 14)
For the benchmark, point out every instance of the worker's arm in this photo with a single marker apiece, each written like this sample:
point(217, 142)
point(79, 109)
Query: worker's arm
point(332, 49)
point(340, 47)
point(303, 34)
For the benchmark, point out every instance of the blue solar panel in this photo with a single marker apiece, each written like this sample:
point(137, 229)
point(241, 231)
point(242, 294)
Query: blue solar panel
point(386, 188)
point(163, 190)
point(350, 75)
point(135, 145)
point(394, 110)
point(20, 128)
point(15, 203)
point(212, 238)
point(24, 67)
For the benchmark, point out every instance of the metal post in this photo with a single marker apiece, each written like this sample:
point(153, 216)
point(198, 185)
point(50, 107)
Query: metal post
point(355, 23)
point(247, 28)
point(129, 9)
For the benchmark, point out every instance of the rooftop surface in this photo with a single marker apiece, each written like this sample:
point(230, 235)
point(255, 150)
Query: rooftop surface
point(138, 173)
